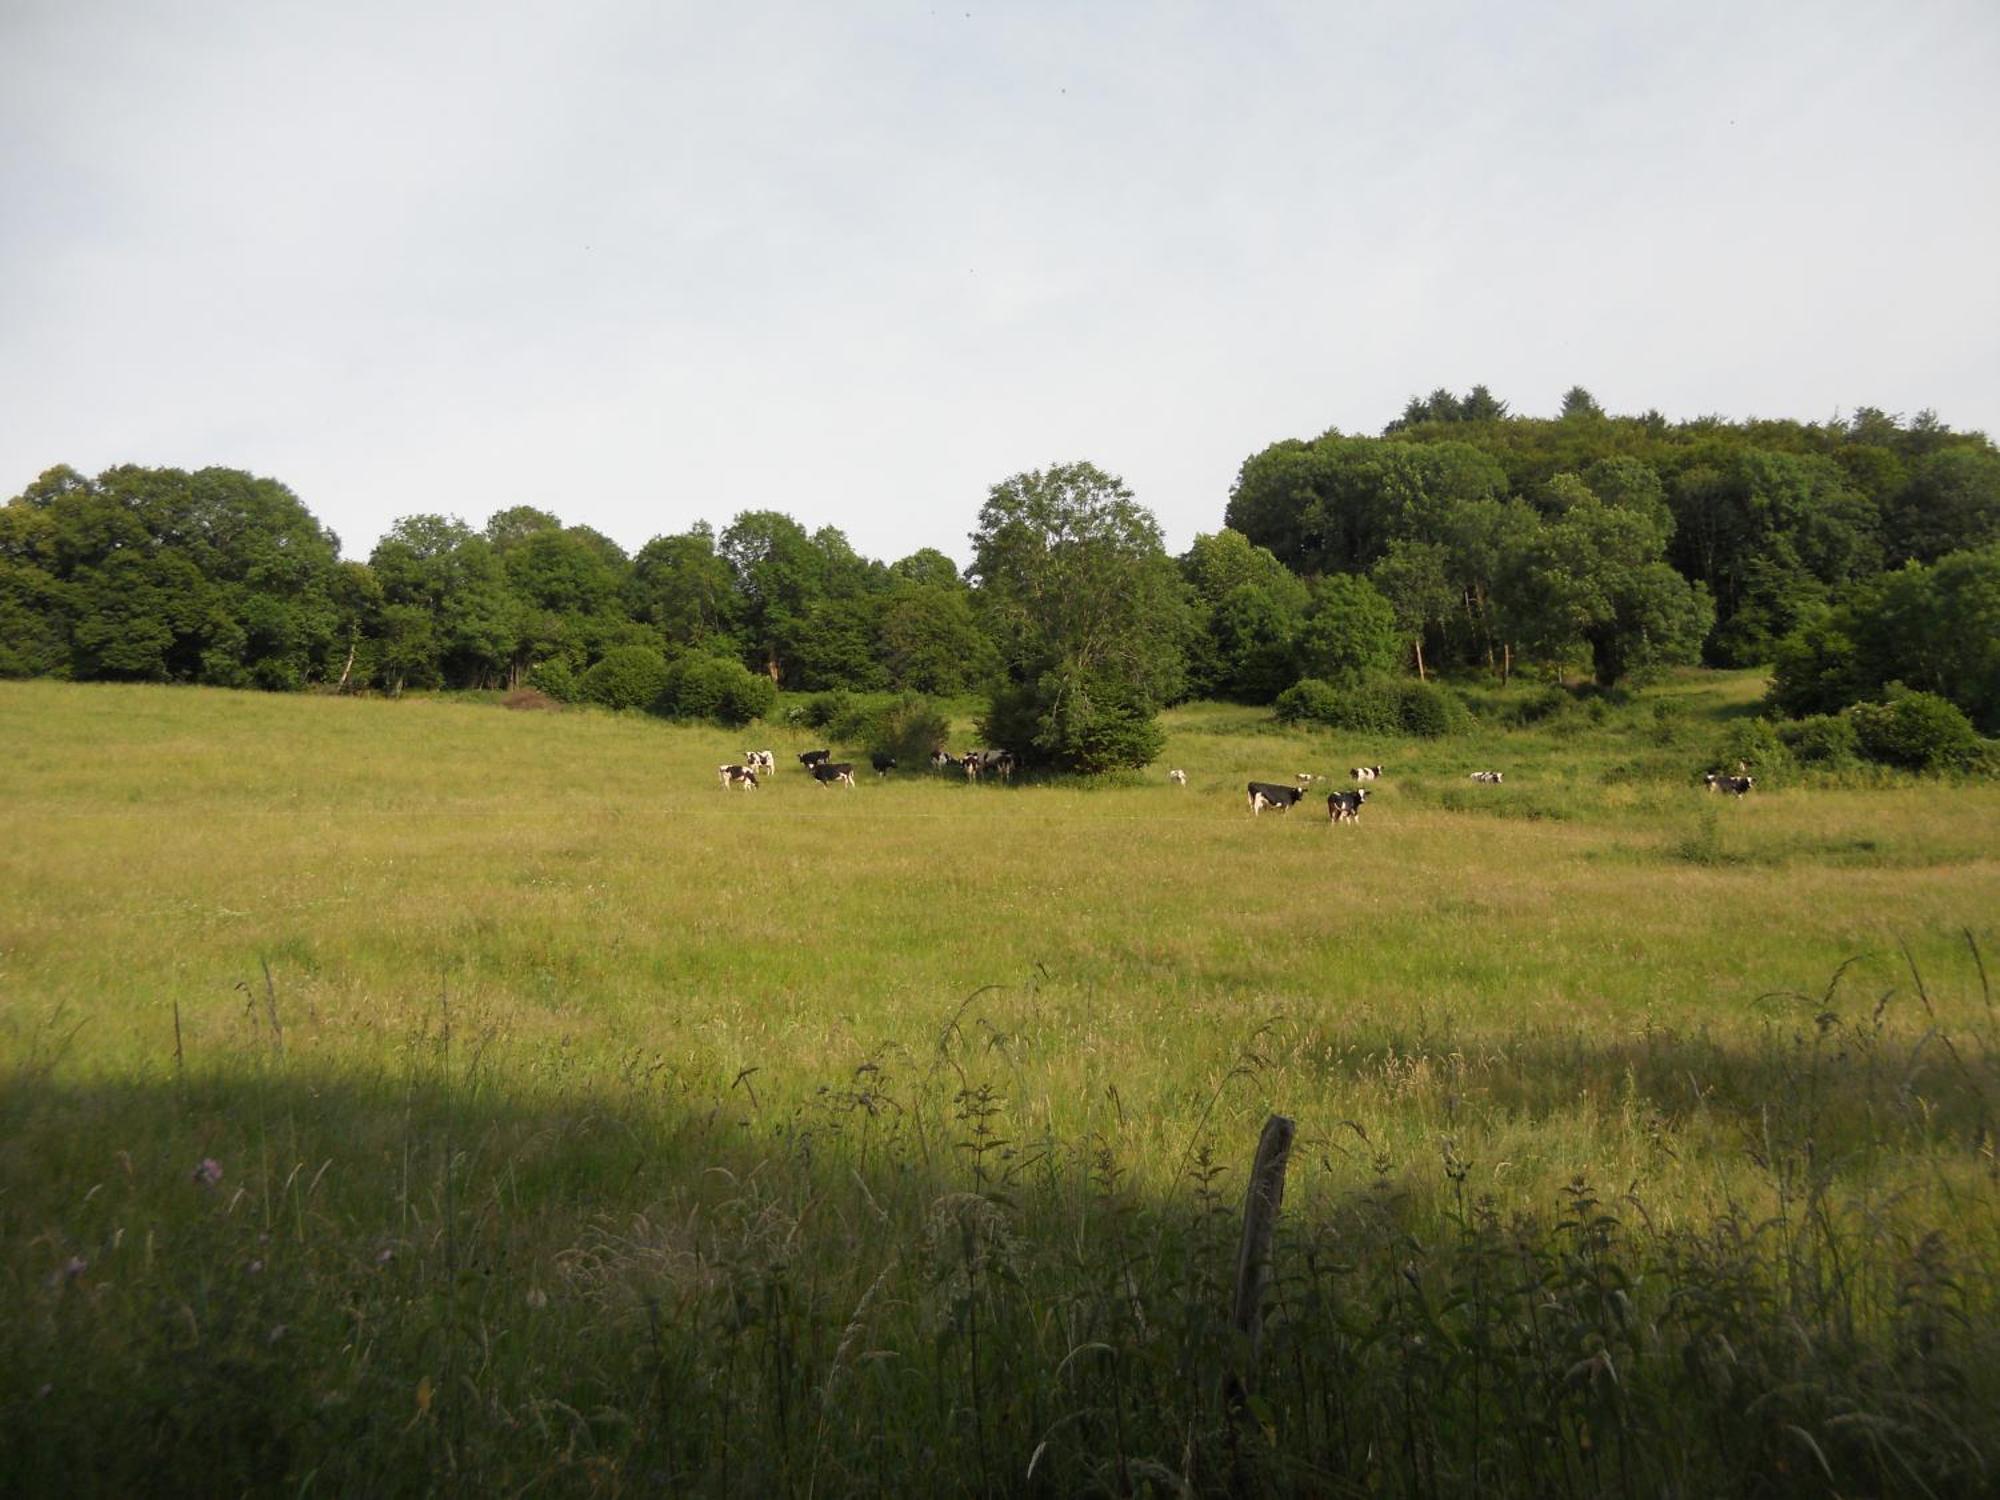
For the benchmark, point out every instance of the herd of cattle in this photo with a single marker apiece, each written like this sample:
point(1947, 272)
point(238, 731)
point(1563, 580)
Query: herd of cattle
point(1341, 807)
point(825, 770)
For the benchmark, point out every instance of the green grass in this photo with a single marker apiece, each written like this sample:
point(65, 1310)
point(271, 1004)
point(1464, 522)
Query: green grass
point(590, 1127)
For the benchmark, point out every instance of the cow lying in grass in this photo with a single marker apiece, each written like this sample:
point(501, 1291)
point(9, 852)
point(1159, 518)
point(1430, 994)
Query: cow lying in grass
point(1491, 778)
point(1265, 794)
point(1365, 773)
point(1345, 807)
point(741, 776)
point(1178, 778)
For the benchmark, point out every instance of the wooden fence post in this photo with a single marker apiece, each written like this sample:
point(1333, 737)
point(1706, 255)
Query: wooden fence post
point(1260, 1223)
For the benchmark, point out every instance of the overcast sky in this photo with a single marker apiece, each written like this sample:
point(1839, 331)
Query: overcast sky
point(644, 263)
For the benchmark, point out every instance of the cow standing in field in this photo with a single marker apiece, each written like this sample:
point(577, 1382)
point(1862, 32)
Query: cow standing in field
point(760, 761)
point(1345, 807)
point(941, 760)
point(827, 772)
point(1265, 794)
point(811, 758)
point(883, 764)
point(1735, 785)
point(741, 776)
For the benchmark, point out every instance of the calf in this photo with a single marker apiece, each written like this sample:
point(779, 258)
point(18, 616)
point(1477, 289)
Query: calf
point(1365, 773)
point(742, 776)
point(1265, 794)
point(1345, 807)
point(883, 764)
point(1178, 778)
point(1304, 778)
point(1737, 785)
point(1491, 778)
point(827, 772)
point(811, 758)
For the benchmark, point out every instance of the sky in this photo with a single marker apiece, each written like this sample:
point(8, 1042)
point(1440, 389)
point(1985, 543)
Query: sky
point(643, 263)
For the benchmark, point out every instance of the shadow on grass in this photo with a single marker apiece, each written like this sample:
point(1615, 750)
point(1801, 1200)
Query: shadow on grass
point(266, 1278)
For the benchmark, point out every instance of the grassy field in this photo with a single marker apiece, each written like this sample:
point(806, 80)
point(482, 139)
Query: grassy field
point(417, 1096)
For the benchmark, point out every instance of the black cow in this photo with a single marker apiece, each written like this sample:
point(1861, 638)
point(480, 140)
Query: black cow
point(1345, 807)
point(827, 772)
point(883, 764)
point(811, 758)
point(1265, 794)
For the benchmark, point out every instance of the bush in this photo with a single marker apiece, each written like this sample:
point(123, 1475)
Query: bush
point(1310, 700)
point(1917, 731)
point(1429, 711)
point(826, 710)
point(908, 728)
point(1089, 732)
point(556, 678)
point(627, 677)
point(528, 699)
point(716, 688)
point(1753, 743)
point(1825, 740)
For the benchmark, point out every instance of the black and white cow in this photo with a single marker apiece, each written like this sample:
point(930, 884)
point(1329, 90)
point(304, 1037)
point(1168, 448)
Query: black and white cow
point(883, 764)
point(760, 761)
point(1345, 807)
point(827, 772)
point(1737, 785)
point(942, 760)
point(1265, 794)
point(742, 776)
point(1177, 777)
point(811, 758)
point(1365, 773)
point(1491, 778)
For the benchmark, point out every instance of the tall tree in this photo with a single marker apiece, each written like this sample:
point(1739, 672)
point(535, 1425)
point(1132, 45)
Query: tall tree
point(1089, 615)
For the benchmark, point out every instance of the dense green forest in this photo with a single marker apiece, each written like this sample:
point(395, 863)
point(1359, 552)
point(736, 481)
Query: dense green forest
point(1860, 556)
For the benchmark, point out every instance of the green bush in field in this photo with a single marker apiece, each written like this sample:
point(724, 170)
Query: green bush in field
point(1380, 705)
point(1826, 740)
point(556, 678)
point(1310, 700)
point(1917, 731)
point(627, 677)
point(908, 728)
point(1753, 743)
point(825, 710)
point(715, 688)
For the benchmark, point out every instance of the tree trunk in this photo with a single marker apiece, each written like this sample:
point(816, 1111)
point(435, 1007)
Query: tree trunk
point(341, 687)
point(1420, 660)
point(1506, 662)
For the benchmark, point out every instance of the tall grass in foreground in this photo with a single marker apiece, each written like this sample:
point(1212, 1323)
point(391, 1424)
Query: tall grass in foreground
point(247, 1275)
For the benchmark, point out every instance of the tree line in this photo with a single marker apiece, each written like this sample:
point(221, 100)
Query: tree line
point(1463, 538)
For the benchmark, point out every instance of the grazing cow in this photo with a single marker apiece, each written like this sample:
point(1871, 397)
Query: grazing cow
point(941, 759)
point(970, 760)
point(883, 764)
point(827, 772)
point(811, 758)
point(1736, 785)
point(1178, 778)
point(742, 776)
point(1491, 778)
point(1265, 794)
point(760, 760)
point(1365, 773)
point(1345, 807)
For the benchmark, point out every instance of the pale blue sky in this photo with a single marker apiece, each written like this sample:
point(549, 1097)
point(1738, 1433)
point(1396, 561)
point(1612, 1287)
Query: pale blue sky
point(643, 264)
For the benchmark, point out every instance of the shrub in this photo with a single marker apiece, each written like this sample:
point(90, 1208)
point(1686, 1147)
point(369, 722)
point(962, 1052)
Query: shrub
point(556, 678)
point(908, 728)
point(627, 677)
point(1753, 743)
point(1310, 700)
point(824, 710)
point(1822, 740)
point(1917, 731)
point(717, 688)
point(528, 699)
point(1429, 711)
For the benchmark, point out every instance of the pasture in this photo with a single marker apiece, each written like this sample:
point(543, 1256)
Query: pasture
point(578, 1125)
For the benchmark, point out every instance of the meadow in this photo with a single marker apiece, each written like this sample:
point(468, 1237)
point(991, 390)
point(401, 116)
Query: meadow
point(415, 1096)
